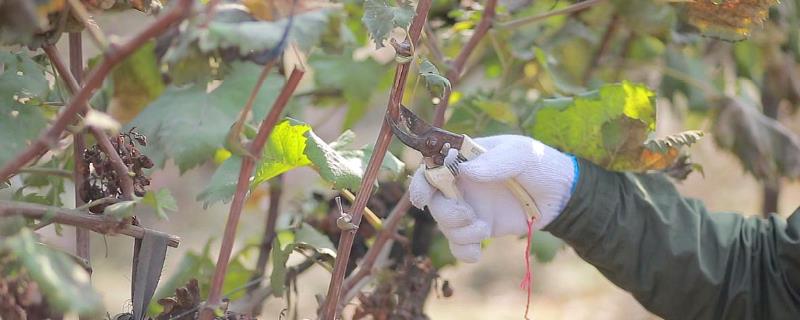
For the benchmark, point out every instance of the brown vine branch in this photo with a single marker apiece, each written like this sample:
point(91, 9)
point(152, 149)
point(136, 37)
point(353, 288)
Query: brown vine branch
point(82, 240)
point(392, 223)
point(432, 44)
point(275, 193)
point(95, 222)
point(329, 308)
point(123, 173)
point(611, 29)
point(528, 20)
point(242, 185)
point(69, 114)
point(454, 74)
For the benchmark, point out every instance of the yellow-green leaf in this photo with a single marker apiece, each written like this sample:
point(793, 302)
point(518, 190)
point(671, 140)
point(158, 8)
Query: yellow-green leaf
point(610, 127)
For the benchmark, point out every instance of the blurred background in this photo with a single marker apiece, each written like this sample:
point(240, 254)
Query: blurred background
point(565, 288)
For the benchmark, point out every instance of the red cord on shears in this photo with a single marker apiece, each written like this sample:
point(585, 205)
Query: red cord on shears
point(527, 280)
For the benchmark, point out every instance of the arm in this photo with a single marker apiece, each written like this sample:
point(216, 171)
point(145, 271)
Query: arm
point(678, 260)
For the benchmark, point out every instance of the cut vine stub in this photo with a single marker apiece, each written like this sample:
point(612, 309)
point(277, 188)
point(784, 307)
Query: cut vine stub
point(102, 181)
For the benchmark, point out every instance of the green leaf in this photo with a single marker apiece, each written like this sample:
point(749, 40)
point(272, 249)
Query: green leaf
point(331, 166)
point(482, 113)
point(285, 150)
point(22, 77)
point(559, 78)
point(291, 144)
point(188, 125)
point(391, 165)
point(435, 82)
point(256, 36)
point(162, 201)
point(309, 237)
point(280, 255)
point(498, 110)
point(65, 284)
point(121, 210)
point(20, 125)
point(683, 66)
point(440, 252)
point(223, 183)
point(288, 240)
point(357, 84)
point(380, 18)
point(544, 246)
point(136, 82)
point(608, 126)
point(22, 84)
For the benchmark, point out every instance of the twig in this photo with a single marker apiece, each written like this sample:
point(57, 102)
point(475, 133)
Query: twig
point(123, 173)
point(365, 268)
point(47, 171)
point(242, 185)
point(70, 113)
point(81, 14)
point(346, 239)
point(454, 74)
point(601, 49)
point(372, 218)
point(95, 222)
point(82, 239)
point(106, 200)
point(528, 20)
point(432, 44)
point(275, 192)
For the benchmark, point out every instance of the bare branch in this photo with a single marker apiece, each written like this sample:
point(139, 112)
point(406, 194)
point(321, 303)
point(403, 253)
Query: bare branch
point(123, 173)
point(78, 102)
point(82, 239)
point(242, 185)
point(432, 44)
point(275, 193)
point(454, 74)
point(381, 240)
point(95, 222)
point(611, 29)
point(329, 308)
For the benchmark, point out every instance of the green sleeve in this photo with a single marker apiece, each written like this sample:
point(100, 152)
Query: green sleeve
point(677, 259)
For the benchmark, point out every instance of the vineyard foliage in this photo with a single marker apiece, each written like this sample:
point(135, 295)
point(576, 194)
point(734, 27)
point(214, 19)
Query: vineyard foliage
point(585, 77)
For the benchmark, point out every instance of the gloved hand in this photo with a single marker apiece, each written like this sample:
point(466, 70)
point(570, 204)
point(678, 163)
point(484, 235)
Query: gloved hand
point(488, 208)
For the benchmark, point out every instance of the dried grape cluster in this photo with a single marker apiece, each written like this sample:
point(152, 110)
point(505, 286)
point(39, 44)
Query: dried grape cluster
point(21, 298)
point(101, 180)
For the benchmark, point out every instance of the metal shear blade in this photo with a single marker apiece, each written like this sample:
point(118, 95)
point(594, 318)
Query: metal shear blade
point(432, 142)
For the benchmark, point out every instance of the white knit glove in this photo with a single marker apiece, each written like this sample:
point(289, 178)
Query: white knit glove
point(488, 208)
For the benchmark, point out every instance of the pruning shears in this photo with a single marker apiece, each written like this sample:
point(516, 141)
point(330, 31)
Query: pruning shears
point(435, 144)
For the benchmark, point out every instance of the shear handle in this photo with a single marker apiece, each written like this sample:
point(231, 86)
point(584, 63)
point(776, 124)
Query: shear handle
point(444, 180)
